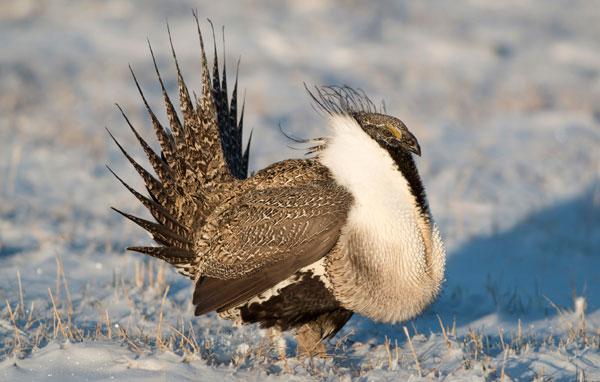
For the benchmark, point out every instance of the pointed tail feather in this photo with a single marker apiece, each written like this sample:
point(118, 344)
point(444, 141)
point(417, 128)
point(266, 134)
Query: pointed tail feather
point(181, 259)
point(201, 153)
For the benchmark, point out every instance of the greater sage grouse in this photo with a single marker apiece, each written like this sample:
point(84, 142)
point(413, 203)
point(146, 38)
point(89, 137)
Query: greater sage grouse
point(303, 243)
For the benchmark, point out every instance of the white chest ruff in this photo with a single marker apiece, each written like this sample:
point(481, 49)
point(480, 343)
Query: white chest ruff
point(384, 208)
point(382, 269)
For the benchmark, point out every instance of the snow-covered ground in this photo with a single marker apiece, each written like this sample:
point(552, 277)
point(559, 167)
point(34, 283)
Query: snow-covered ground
point(503, 96)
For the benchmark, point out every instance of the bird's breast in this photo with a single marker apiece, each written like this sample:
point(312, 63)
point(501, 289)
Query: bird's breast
point(381, 266)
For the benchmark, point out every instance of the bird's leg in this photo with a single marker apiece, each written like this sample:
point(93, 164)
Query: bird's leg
point(309, 338)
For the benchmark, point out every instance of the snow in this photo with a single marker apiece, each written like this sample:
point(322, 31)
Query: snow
point(504, 98)
point(104, 361)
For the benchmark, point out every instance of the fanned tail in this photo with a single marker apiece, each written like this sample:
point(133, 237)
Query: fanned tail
point(230, 127)
point(201, 154)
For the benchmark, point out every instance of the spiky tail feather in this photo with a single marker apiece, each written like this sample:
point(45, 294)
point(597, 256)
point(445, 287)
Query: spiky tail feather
point(198, 156)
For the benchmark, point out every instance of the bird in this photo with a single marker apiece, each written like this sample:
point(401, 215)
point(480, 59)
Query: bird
point(302, 244)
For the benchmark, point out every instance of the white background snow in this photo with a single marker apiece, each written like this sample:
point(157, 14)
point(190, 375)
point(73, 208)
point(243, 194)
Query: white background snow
point(504, 98)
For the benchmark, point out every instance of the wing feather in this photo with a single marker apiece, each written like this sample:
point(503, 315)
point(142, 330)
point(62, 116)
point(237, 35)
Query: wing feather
point(264, 237)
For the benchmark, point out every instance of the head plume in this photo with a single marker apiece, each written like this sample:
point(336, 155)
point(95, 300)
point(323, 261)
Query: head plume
point(342, 100)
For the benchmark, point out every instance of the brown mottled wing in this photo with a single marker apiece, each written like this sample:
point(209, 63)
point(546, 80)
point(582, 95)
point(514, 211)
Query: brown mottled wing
point(266, 236)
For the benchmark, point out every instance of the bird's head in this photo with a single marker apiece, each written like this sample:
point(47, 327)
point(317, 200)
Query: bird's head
point(388, 131)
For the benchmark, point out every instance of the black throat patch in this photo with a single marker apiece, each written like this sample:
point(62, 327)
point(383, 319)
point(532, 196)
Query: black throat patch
point(406, 165)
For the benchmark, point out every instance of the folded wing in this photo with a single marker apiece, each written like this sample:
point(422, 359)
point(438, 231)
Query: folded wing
point(266, 235)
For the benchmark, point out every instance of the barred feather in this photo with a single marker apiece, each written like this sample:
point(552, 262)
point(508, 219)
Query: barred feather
point(155, 188)
point(200, 157)
point(158, 164)
point(181, 259)
point(158, 212)
point(186, 106)
point(174, 122)
point(164, 140)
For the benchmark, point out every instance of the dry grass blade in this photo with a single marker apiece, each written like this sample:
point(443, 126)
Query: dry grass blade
point(444, 332)
point(59, 325)
point(414, 353)
point(60, 276)
point(108, 325)
point(17, 346)
point(504, 360)
point(388, 350)
point(21, 308)
point(159, 341)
